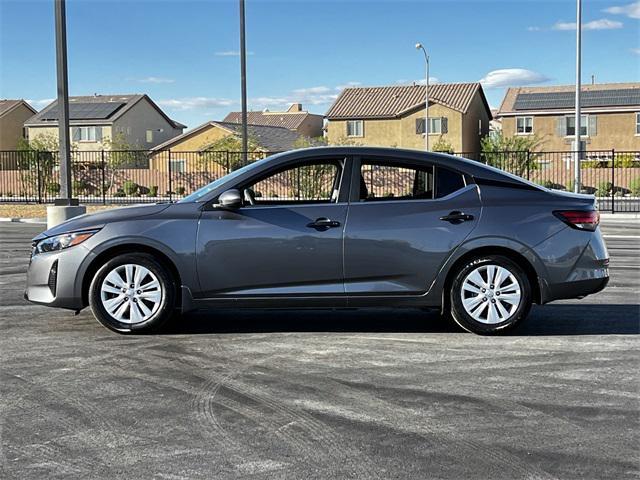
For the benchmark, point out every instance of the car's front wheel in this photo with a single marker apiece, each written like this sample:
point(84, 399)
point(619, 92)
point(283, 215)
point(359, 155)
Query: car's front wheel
point(132, 292)
point(490, 294)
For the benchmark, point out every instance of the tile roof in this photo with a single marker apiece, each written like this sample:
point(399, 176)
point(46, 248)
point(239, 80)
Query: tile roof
point(395, 101)
point(272, 139)
point(603, 95)
point(273, 119)
point(48, 115)
point(7, 105)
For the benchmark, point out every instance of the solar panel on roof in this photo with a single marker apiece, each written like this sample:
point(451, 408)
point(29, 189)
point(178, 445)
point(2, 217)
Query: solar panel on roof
point(86, 111)
point(622, 97)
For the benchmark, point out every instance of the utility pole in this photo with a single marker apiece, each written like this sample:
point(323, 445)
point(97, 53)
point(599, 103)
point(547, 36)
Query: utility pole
point(419, 46)
point(243, 81)
point(576, 165)
point(63, 104)
point(65, 207)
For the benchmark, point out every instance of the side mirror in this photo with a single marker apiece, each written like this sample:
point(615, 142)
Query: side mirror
point(230, 199)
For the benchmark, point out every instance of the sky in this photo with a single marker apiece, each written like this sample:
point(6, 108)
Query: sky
point(184, 54)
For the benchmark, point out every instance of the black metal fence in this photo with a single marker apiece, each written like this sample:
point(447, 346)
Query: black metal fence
point(136, 176)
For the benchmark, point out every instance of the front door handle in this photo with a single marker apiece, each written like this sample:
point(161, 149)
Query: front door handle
point(323, 223)
point(457, 217)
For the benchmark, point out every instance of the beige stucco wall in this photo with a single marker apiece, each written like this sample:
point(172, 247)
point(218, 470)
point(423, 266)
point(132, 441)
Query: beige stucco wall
point(189, 148)
point(11, 127)
point(462, 129)
point(614, 130)
point(35, 132)
point(133, 126)
point(311, 126)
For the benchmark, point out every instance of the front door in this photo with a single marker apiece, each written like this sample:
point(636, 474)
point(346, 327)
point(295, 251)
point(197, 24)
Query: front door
point(286, 240)
point(396, 239)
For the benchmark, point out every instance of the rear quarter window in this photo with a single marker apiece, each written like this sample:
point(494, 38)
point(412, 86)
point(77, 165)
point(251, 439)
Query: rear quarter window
point(447, 182)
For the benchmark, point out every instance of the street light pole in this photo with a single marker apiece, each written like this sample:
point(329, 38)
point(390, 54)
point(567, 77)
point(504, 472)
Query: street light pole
point(426, 97)
point(576, 165)
point(63, 104)
point(243, 80)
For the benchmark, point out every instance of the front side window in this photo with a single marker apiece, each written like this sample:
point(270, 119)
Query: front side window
point(177, 165)
point(355, 128)
point(571, 125)
point(307, 183)
point(149, 136)
point(524, 125)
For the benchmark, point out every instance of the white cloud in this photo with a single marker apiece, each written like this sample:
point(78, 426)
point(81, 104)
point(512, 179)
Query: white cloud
point(38, 104)
point(156, 80)
point(192, 103)
point(533, 29)
point(420, 81)
point(635, 50)
point(312, 90)
point(602, 24)
point(631, 10)
point(508, 77)
point(347, 85)
point(230, 53)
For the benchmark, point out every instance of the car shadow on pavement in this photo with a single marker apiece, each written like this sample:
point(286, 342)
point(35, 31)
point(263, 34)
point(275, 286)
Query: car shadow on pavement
point(559, 319)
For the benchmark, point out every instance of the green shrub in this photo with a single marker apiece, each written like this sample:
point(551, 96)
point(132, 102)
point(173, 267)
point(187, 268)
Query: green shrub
point(180, 190)
point(129, 187)
point(634, 186)
point(153, 191)
point(53, 188)
point(79, 186)
point(142, 190)
point(548, 184)
point(119, 193)
point(604, 188)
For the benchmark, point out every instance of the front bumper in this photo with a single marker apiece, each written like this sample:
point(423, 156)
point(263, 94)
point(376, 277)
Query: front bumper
point(54, 279)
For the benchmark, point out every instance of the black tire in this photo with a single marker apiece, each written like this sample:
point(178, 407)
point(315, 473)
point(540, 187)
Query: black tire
point(468, 322)
point(168, 294)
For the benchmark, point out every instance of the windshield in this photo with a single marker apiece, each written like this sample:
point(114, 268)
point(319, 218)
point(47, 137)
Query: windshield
point(201, 192)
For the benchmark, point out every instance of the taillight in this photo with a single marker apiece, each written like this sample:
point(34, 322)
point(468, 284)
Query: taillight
point(580, 219)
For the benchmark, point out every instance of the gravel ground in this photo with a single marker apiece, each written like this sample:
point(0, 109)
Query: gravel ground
point(369, 394)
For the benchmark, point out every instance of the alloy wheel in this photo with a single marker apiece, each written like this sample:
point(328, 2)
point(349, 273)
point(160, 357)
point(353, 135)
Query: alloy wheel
point(491, 294)
point(131, 293)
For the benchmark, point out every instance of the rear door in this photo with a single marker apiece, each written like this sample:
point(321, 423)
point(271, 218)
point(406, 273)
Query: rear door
point(405, 218)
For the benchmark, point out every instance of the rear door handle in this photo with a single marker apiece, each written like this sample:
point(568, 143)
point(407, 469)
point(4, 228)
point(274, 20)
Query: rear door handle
point(457, 217)
point(323, 223)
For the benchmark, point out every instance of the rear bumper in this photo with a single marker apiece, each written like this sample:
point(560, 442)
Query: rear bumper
point(577, 289)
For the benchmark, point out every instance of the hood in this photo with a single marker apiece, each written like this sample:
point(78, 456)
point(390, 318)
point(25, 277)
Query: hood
point(101, 218)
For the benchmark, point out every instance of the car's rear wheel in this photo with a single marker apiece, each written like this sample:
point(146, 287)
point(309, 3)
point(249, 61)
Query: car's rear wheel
point(490, 295)
point(132, 293)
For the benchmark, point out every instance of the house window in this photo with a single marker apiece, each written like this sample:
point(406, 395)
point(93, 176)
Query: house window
point(638, 123)
point(570, 129)
point(437, 125)
point(149, 136)
point(524, 125)
point(177, 165)
point(355, 128)
point(87, 134)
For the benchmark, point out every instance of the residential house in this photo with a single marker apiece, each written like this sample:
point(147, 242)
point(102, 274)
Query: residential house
point(295, 118)
point(610, 116)
point(187, 150)
point(13, 114)
point(395, 116)
point(99, 121)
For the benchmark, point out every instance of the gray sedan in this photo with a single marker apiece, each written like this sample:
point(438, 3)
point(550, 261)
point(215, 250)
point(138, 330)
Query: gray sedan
point(331, 228)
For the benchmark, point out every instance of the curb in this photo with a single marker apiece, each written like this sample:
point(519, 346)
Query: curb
point(37, 220)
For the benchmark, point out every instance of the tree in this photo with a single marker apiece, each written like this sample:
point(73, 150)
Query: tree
point(306, 142)
point(227, 152)
point(517, 154)
point(38, 159)
point(443, 146)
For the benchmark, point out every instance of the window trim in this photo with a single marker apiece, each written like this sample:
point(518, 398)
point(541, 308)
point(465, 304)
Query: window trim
point(361, 128)
point(524, 117)
point(637, 134)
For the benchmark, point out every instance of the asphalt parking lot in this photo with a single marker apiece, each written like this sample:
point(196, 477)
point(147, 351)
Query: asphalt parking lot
point(370, 394)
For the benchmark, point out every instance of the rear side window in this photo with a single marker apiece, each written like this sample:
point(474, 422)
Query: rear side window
point(380, 181)
point(447, 182)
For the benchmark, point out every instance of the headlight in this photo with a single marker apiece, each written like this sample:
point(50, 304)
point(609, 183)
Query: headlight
point(60, 242)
